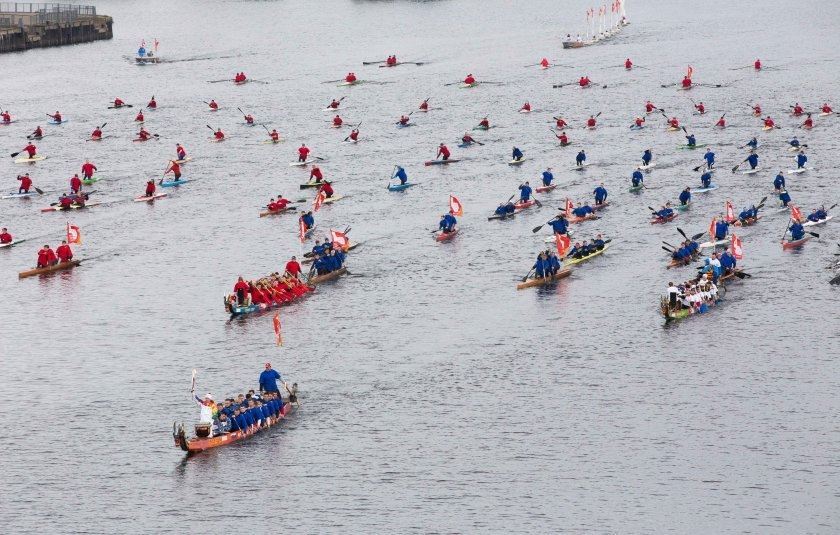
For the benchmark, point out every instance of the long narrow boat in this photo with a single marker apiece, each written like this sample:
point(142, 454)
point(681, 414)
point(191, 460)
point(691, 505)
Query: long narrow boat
point(241, 310)
point(682, 313)
point(562, 274)
point(280, 211)
point(318, 279)
point(573, 261)
point(795, 243)
point(61, 266)
point(197, 444)
point(658, 220)
point(446, 236)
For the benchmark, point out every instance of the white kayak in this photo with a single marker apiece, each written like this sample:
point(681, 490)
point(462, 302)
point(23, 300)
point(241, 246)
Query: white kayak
point(19, 195)
point(800, 170)
point(305, 163)
point(815, 223)
point(580, 167)
point(710, 244)
point(651, 165)
point(145, 198)
point(751, 171)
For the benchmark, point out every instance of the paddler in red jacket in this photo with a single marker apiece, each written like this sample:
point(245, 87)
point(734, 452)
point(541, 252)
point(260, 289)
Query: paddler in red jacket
point(96, 134)
point(336, 122)
point(88, 169)
point(213, 105)
point(649, 107)
point(5, 237)
point(303, 153)
point(769, 123)
point(673, 122)
point(75, 184)
point(46, 257)
point(218, 135)
point(143, 135)
point(561, 123)
point(468, 139)
point(118, 102)
point(526, 106)
point(150, 188)
point(241, 290)
point(485, 123)
point(249, 119)
point(809, 123)
point(391, 61)
point(584, 81)
point(63, 251)
point(316, 174)
point(37, 133)
point(686, 82)
point(152, 103)
point(701, 109)
point(757, 65)
point(350, 78)
point(30, 149)
point(25, 183)
point(180, 151)
point(175, 169)
point(281, 203)
point(756, 110)
point(628, 64)
point(424, 106)
point(56, 117)
point(797, 110)
point(274, 135)
point(293, 267)
point(590, 123)
point(469, 80)
point(403, 120)
point(7, 118)
point(564, 139)
point(544, 63)
point(327, 189)
point(443, 152)
point(139, 118)
point(721, 123)
point(826, 108)
point(639, 122)
point(354, 135)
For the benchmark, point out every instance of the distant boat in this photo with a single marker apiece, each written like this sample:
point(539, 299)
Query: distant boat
point(602, 33)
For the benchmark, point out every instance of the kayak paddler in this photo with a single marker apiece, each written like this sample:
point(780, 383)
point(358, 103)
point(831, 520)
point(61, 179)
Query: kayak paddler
point(779, 182)
point(686, 82)
point(354, 134)
point(38, 133)
point(240, 77)
point(303, 153)
point(525, 192)
point(584, 81)
point(769, 123)
point(561, 123)
point(747, 214)
point(401, 174)
point(75, 184)
point(628, 64)
point(639, 122)
point(403, 120)
point(249, 119)
point(5, 237)
point(818, 214)
point(580, 158)
point(468, 139)
point(591, 122)
point(665, 212)
point(447, 223)
point(96, 134)
point(150, 188)
point(334, 104)
point(180, 151)
point(797, 110)
point(752, 159)
point(826, 108)
point(424, 106)
point(350, 78)
point(274, 135)
point(710, 159)
point(752, 144)
point(685, 196)
point(63, 252)
point(152, 103)
point(526, 106)
point(46, 257)
point(649, 107)
point(541, 266)
point(563, 138)
point(143, 135)
point(6, 116)
point(797, 231)
point(808, 124)
point(600, 195)
point(547, 177)
point(673, 122)
point(637, 179)
point(469, 80)
point(484, 123)
point(25, 183)
point(213, 105)
point(690, 140)
point(544, 63)
point(56, 117)
point(316, 174)
point(801, 160)
point(517, 154)
point(88, 169)
point(583, 210)
point(118, 102)
point(505, 209)
point(721, 123)
point(757, 65)
point(647, 156)
point(784, 196)
point(701, 109)
point(218, 135)
point(443, 152)
point(337, 121)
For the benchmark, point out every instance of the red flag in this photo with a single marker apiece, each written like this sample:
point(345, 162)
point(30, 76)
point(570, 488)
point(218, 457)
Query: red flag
point(74, 235)
point(712, 228)
point(735, 247)
point(730, 212)
point(302, 228)
point(795, 214)
point(569, 207)
point(339, 239)
point(319, 200)
point(690, 71)
point(563, 243)
point(455, 206)
point(277, 333)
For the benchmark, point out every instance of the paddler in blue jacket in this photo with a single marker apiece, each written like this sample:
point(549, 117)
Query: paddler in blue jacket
point(752, 144)
point(727, 261)
point(141, 52)
point(319, 248)
point(779, 182)
point(752, 159)
point(580, 158)
point(706, 179)
point(598, 243)
point(583, 211)
point(747, 214)
point(600, 194)
point(710, 158)
point(794, 142)
point(818, 214)
point(797, 231)
point(665, 212)
point(547, 177)
point(784, 197)
point(540, 266)
point(447, 223)
point(517, 154)
point(525, 192)
point(690, 140)
point(400, 173)
point(559, 225)
point(800, 160)
point(553, 263)
point(685, 196)
point(505, 209)
point(647, 156)
point(308, 220)
point(637, 179)
point(721, 229)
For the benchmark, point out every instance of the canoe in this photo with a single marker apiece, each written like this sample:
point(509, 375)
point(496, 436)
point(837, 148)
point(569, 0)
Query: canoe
point(691, 147)
point(672, 129)
point(465, 145)
point(574, 219)
point(334, 198)
point(636, 189)
point(174, 183)
point(276, 212)
point(400, 187)
point(562, 274)
point(545, 189)
point(716, 243)
point(501, 216)
point(309, 256)
point(313, 184)
point(660, 220)
point(705, 190)
point(684, 262)
point(442, 162)
point(92, 180)
point(58, 123)
point(766, 128)
point(573, 261)
point(185, 160)
point(446, 236)
point(19, 195)
point(795, 243)
point(195, 444)
point(580, 167)
point(683, 207)
point(462, 85)
point(318, 279)
point(799, 170)
point(479, 127)
point(61, 266)
point(810, 223)
point(751, 171)
point(36, 158)
point(517, 162)
point(345, 84)
point(522, 205)
point(647, 167)
point(58, 208)
point(151, 198)
point(11, 243)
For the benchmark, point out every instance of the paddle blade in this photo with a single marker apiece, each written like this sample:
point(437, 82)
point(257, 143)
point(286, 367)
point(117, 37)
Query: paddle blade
point(537, 229)
point(40, 191)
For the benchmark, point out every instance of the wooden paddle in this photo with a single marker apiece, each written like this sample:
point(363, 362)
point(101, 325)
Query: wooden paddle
point(737, 166)
point(528, 274)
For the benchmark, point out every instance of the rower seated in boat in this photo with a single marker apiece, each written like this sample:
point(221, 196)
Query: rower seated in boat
point(582, 211)
point(279, 204)
point(447, 223)
point(665, 212)
point(598, 243)
point(467, 139)
point(484, 123)
point(505, 209)
point(818, 215)
point(748, 214)
point(46, 257)
point(5, 237)
point(329, 262)
point(403, 120)
point(559, 225)
point(797, 231)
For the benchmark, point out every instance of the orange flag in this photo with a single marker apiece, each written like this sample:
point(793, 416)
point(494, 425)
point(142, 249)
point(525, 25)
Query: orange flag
point(319, 200)
point(730, 212)
point(569, 207)
point(277, 329)
point(795, 213)
point(689, 71)
point(712, 228)
point(563, 243)
point(302, 228)
point(339, 239)
point(735, 247)
point(74, 235)
point(455, 206)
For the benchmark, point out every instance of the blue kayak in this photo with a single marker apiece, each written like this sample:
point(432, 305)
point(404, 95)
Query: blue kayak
point(173, 183)
point(62, 121)
point(404, 125)
point(704, 190)
point(465, 145)
point(400, 187)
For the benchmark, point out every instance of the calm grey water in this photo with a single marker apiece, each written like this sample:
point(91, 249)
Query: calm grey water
point(436, 398)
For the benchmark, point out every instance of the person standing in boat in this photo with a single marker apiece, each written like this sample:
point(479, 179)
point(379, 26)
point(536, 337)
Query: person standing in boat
point(268, 380)
point(207, 408)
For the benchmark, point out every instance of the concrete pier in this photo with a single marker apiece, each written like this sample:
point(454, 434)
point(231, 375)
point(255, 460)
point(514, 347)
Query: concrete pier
point(33, 25)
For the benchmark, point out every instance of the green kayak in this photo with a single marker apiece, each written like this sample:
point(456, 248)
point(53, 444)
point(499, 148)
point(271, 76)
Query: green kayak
point(698, 146)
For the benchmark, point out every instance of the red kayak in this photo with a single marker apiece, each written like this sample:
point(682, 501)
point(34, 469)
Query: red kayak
point(602, 205)
point(544, 189)
point(446, 236)
point(521, 205)
point(795, 243)
point(660, 220)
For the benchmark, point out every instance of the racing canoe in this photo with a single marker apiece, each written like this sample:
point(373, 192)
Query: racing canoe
point(573, 261)
point(61, 266)
point(795, 243)
point(562, 274)
point(660, 220)
point(36, 158)
point(196, 444)
point(810, 223)
point(150, 198)
point(400, 187)
point(318, 279)
point(276, 212)
point(442, 162)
